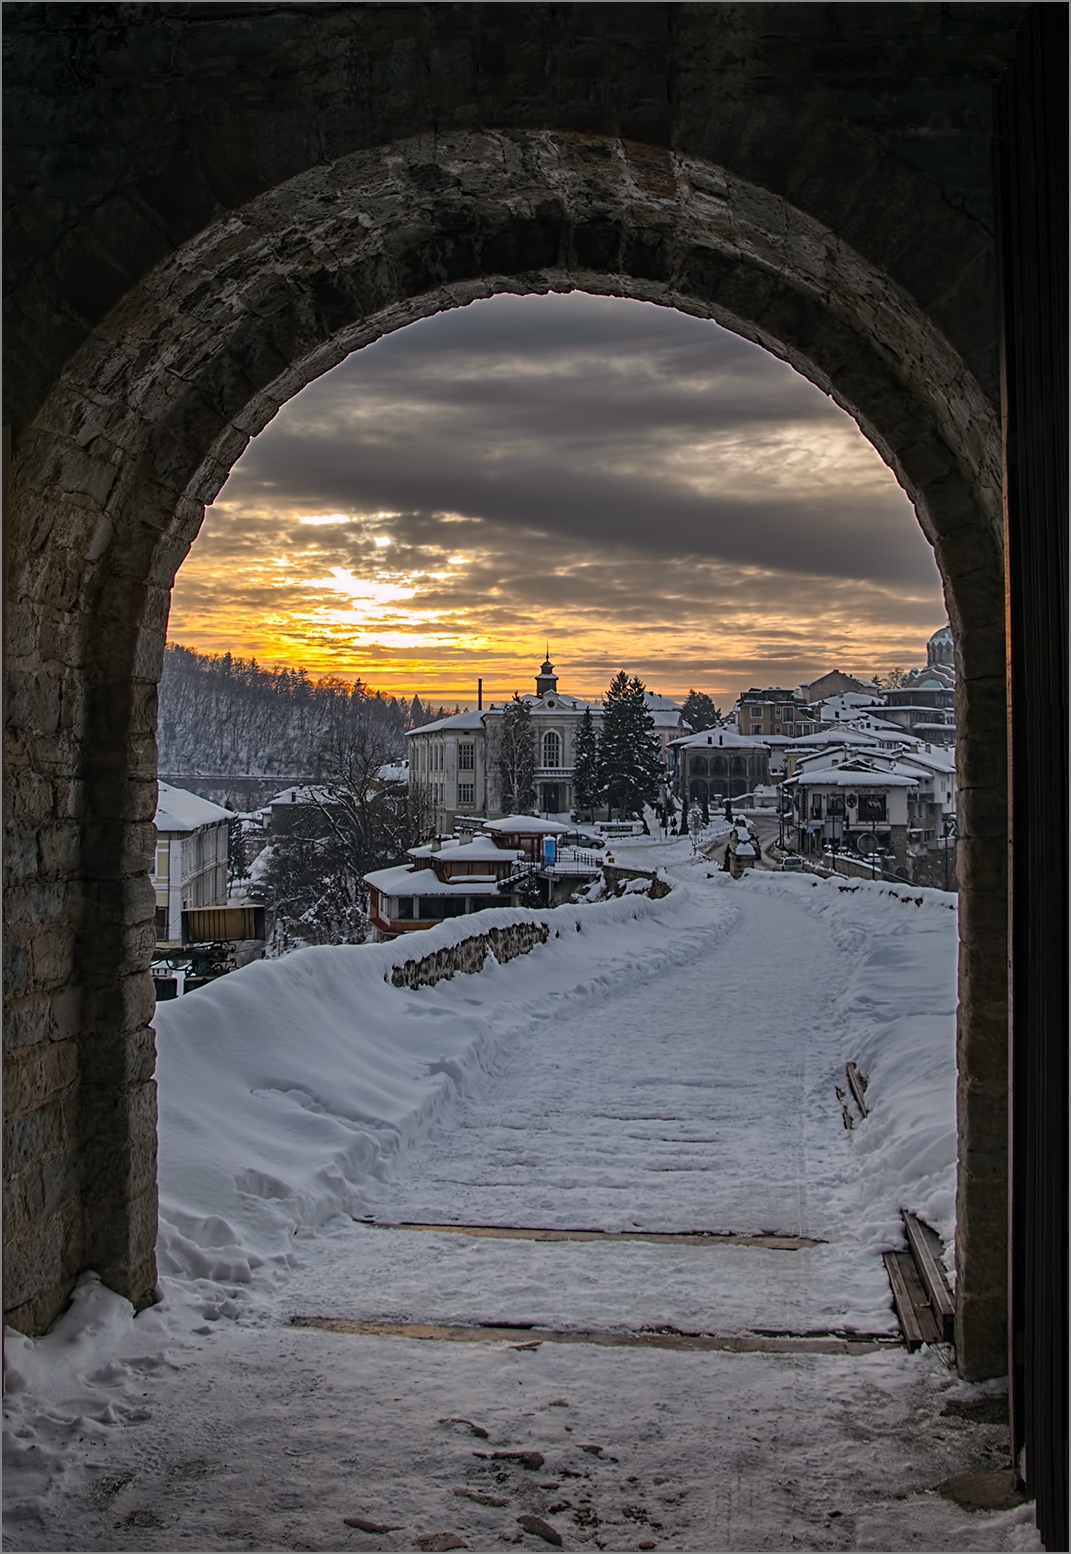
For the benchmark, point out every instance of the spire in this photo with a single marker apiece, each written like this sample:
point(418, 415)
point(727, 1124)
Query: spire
point(546, 679)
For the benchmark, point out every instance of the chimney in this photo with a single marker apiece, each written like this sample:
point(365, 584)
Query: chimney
point(479, 695)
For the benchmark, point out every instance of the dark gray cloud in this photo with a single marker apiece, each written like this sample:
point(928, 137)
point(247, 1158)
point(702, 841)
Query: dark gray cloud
point(654, 492)
point(579, 418)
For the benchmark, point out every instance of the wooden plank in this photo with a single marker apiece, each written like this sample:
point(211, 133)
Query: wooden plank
point(531, 1338)
point(857, 1087)
point(923, 1245)
point(713, 1238)
point(912, 1307)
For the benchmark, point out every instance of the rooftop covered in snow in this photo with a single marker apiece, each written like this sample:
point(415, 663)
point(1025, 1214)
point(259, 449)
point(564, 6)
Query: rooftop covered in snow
point(179, 810)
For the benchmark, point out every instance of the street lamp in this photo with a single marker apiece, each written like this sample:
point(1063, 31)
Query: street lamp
point(949, 833)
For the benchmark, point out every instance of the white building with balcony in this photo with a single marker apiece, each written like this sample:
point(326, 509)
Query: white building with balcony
point(190, 864)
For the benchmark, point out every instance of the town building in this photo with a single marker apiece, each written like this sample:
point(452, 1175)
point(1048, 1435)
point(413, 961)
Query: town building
point(190, 862)
point(760, 714)
point(835, 683)
point(456, 875)
point(838, 739)
point(453, 758)
point(852, 803)
point(718, 764)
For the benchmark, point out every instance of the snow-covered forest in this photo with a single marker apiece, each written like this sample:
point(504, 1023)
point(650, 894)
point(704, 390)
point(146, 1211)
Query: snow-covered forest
point(222, 715)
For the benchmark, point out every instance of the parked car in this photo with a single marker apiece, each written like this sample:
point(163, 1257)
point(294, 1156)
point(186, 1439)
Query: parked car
point(582, 839)
point(792, 864)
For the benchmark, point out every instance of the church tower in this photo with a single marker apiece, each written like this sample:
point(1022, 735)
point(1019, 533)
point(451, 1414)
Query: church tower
point(546, 679)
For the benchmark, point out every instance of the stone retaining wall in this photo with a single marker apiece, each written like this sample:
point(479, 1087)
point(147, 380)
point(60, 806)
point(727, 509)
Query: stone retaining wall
point(470, 954)
point(616, 874)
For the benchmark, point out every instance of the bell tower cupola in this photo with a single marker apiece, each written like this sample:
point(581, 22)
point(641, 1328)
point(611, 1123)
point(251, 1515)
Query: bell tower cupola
point(546, 679)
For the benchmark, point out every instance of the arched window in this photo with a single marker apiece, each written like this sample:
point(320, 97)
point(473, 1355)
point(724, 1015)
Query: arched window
point(738, 767)
point(698, 766)
point(552, 749)
point(719, 766)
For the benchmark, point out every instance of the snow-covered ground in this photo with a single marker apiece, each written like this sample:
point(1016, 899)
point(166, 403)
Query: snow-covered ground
point(669, 1066)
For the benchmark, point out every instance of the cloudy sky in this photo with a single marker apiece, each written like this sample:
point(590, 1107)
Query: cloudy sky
point(644, 489)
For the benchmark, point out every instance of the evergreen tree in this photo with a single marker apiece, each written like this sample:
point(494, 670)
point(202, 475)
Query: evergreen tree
point(684, 813)
point(515, 758)
point(705, 811)
point(586, 789)
point(530, 893)
point(416, 715)
point(630, 758)
point(700, 711)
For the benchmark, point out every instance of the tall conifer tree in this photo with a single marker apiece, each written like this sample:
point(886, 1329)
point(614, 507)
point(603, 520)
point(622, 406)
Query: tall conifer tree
point(586, 788)
point(699, 711)
point(630, 759)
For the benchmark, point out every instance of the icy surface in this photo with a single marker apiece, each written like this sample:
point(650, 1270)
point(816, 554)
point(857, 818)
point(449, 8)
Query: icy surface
point(671, 1066)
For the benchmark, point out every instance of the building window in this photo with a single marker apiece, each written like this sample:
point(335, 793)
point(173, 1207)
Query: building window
point(466, 793)
point(466, 758)
point(552, 750)
point(871, 806)
point(405, 908)
point(432, 907)
point(788, 714)
point(756, 728)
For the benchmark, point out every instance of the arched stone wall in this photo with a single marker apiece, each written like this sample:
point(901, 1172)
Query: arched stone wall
point(141, 429)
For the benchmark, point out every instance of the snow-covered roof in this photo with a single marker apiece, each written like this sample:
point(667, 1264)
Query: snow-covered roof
point(526, 825)
point(403, 881)
point(924, 762)
point(853, 774)
point(852, 699)
point(726, 738)
point(868, 721)
point(459, 721)
point(477, 849)
point(302, 795)
point(394, 771)
point(943, 635)
point(179, 810)
point(833, 736)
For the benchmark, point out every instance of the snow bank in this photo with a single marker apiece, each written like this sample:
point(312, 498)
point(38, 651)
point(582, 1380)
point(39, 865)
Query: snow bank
point(288, 1085)
point(898, 1023)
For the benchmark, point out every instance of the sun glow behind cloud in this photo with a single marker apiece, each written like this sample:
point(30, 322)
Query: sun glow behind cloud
point(643, 488)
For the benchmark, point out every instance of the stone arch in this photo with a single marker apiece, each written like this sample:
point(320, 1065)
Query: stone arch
point(110, 479)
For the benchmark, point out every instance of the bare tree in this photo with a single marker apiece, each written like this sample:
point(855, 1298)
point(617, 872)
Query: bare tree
point(512, 758)
point(360, 817)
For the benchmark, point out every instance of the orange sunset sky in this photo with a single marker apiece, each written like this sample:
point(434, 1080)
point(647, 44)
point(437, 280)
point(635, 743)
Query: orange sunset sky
point(645, 490)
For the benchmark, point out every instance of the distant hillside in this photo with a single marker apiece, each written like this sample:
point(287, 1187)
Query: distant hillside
point(226, 715)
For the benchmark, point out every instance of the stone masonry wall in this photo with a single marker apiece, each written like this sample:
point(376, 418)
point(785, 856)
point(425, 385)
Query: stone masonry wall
point(210, 205)
point(470, 954)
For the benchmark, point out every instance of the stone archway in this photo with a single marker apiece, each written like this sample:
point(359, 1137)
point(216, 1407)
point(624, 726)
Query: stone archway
point(142, 428)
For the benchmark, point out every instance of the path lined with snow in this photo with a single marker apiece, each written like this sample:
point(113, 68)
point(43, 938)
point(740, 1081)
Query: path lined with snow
point(671, 1066)
point(702, 1100)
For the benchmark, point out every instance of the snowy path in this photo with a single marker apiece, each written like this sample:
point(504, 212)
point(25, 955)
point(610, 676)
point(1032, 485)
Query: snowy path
point(701, 1100)
point(670, 1070)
